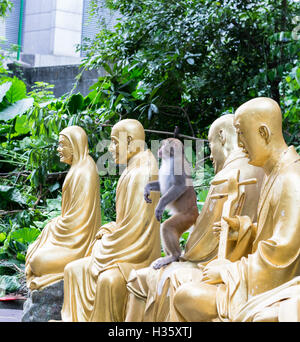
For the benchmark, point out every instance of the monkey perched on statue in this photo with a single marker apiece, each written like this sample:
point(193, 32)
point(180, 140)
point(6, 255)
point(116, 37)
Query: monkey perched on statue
point(178, 195)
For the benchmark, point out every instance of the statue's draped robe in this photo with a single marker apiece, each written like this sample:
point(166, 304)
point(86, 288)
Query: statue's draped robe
point(275, 257)
point(156, 287)
point(95, 287)
point(70, 236)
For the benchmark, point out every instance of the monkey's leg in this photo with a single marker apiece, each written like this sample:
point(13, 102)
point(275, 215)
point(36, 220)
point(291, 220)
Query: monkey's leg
point(171, 232)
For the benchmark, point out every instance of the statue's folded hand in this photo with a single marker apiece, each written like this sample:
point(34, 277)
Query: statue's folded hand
point(107, 228)
point(101, 232)
point(234, 226)
point(211, 275)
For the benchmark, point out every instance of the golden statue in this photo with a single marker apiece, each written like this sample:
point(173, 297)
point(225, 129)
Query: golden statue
point(228, 292)
point(95, 286)
point(151, 291)
point(70, 236)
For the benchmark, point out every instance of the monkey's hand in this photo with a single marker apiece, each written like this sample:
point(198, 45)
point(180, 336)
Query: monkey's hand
point(159, 210)
point(147, 194)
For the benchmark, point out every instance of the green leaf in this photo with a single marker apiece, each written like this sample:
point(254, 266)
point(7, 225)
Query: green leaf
point(2, 237)
point(8, 284)
point(25, 235)
point(17, 197)
point(54, 187)
point(22, 125)
point(21, 256)
point(10, 193)
point(4, 89)
point(152, 109)
point(18, 108)
point(17, 91)
point(54, 204)
point(191, 61)
point(75, 103)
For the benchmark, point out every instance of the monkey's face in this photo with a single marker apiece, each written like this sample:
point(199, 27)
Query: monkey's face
point(170, 148)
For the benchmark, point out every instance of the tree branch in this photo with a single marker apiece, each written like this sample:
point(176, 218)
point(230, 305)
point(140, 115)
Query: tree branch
point(159, 132)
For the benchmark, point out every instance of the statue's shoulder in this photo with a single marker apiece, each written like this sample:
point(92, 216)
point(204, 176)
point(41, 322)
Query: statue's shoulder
point(290, 168)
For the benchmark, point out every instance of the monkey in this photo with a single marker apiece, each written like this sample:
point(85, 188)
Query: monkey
point(177, 194)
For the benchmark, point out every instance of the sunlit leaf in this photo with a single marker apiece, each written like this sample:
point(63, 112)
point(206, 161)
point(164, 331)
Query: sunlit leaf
point(18, 108)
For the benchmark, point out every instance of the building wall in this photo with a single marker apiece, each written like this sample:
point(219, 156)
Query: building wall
point(53, 29)
point(63, 77)
point(9, 26)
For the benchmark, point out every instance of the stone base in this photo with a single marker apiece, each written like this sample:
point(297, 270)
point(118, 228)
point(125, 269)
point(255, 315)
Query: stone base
point(44, 305)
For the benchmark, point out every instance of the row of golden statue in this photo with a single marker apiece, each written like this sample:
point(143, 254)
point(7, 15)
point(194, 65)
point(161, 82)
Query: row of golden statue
point(241, 261)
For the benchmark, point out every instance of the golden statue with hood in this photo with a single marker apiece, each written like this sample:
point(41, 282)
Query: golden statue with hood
point(231, 291)
point(151, 291)
point(95, 286)
point(69, 236)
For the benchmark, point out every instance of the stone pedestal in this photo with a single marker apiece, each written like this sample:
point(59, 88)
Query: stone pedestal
point(44, 305)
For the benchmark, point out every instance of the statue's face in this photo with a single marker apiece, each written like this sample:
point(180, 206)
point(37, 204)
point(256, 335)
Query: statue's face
point(65, 150)
point(250, 140)
point(119, 147)
point(217, 155)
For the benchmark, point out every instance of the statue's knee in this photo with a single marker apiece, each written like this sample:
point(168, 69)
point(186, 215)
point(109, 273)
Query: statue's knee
point(179, 298)
point(111, 279)
point(195, 303)
point(68, 270)
point(36, 264)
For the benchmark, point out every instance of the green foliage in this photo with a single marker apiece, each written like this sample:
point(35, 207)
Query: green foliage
point(108, 195)
point(291, 105)
point(13, 99)
point(5, 7)
point(195, 58)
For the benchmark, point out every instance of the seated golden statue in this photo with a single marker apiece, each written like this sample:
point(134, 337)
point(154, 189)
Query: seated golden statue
point(95, 286)
point(227, 290)
point(151, 291)
point(70, 236)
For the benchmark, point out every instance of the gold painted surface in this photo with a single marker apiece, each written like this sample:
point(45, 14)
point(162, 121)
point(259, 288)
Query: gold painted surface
point(153, 290)
point(69, 236)
point(235, 289)
point(95, 287)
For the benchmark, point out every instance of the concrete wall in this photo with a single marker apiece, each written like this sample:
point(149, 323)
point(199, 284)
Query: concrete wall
point(62, 77)
point(52, 29)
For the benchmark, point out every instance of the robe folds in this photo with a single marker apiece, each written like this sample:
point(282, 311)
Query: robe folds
point(69, 236)
point(156, 288)
point(275, 257)
point(95, 287)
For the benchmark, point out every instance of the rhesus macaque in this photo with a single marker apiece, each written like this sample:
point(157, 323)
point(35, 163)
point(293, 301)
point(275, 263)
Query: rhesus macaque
point(178, 195)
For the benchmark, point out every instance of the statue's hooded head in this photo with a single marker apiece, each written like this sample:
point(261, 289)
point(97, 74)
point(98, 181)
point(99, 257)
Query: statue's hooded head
point(73, 145)
point(127, 139)
point(222, 140)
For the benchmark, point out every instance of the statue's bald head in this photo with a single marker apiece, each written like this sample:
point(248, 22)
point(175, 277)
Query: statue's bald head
point(262, 110)
point(258, 123)
point(132, 127)
point(128, 139)
point(223, 123)
point(222, 140)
